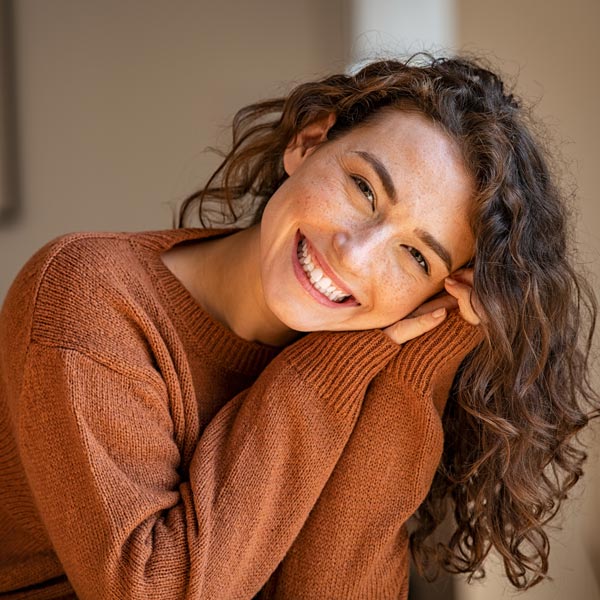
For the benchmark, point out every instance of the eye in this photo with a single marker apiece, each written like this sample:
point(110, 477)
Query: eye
point(365, 189)
point(419, 258)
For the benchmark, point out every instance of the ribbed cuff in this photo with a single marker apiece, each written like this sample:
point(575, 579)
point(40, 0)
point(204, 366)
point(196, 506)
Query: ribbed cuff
point(422, 357)
point(340, 365)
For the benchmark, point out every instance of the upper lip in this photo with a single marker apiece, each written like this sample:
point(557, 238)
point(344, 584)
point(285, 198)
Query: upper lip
point(327, 270)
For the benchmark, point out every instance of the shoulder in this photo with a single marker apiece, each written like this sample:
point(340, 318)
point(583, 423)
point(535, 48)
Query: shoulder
point(79, 252)
point(89, 292)
point(81, 272)
point(65, 256)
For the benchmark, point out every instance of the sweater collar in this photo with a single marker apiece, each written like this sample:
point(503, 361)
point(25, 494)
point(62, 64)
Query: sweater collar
point(192, 322)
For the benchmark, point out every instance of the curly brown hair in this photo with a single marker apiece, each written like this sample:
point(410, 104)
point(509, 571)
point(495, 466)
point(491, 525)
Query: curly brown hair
point(518, 399)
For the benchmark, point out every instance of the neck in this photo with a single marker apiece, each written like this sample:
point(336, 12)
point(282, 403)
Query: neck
point(229, 282)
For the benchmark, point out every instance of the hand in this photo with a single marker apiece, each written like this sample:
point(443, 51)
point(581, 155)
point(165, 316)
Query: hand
point(460, 286)
point(431, 313)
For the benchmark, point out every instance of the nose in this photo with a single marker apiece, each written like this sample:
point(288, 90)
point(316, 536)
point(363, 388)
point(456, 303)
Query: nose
point(360, 248)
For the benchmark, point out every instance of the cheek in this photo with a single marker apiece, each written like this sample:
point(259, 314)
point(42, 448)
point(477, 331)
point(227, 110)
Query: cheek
point(397, 296)
point(323, 204)
point(323, 187)
point(318, 193)
point(399, 292)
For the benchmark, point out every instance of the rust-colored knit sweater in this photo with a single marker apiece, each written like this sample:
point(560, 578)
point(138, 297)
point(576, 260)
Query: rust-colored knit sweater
point(148, 452)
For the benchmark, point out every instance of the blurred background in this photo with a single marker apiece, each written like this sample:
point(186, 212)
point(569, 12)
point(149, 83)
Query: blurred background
point(107, 108)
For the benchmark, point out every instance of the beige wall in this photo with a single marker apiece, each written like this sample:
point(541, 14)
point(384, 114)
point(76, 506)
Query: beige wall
point(118, 99)
point(554, 48)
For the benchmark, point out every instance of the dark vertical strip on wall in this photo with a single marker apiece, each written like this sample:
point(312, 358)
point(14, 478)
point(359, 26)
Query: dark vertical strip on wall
point(10, 196)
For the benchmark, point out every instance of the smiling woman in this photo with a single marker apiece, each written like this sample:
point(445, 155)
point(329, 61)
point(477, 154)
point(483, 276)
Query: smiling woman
point(257, 412)
point(374, 239)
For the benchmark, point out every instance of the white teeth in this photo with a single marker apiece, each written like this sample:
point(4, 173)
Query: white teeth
point(316, 275)
point(320, 282)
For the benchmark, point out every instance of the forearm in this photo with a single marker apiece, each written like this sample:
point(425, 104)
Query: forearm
point(138, 527)
point(354, 544)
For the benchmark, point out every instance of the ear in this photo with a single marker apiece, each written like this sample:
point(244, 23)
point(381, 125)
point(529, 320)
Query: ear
point(306, 141)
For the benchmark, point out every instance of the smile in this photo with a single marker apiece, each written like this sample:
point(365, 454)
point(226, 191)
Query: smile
point(317, 277)
point(314, 279)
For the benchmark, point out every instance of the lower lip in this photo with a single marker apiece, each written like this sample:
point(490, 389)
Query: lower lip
point(304, 281)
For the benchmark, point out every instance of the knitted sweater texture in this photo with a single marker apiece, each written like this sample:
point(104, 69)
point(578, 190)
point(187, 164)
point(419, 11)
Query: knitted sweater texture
point(148, 452)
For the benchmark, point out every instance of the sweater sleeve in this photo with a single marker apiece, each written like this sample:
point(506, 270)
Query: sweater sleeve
point(97, 443)
point(354, 544)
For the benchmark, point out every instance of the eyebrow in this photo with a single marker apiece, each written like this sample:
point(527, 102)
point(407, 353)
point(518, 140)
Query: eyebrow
point(434, 245)
point(382, 173)
point(388, 185)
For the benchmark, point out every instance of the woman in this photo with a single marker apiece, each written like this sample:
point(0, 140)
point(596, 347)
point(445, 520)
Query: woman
point(257, 413)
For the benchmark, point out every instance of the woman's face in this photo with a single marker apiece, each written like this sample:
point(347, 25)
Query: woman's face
point(367, 226)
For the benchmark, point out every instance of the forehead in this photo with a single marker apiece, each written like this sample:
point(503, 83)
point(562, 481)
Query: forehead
point(407, 133)
point(415, 150)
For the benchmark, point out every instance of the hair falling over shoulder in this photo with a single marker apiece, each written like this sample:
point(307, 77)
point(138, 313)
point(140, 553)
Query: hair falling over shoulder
point(519, 399)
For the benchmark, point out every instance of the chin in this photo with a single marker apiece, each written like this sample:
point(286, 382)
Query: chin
point(294, 323)
point(294, 319)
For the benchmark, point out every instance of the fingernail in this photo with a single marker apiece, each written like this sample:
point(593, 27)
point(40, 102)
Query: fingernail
point(438, 313)
point(451, 281)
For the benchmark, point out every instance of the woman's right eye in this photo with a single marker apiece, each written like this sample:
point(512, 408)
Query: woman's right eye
point(419, 258)
point(365, 189)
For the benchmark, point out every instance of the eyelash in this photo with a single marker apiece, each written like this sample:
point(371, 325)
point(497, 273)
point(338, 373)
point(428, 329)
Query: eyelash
point(361, 184)
point(419, 258)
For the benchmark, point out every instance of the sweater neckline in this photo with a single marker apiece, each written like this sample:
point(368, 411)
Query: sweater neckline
point(219, 344)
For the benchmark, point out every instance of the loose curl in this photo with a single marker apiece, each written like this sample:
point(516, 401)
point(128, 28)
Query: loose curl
point(518, 399)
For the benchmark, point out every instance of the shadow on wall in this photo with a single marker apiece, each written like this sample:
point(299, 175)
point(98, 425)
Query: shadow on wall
point(9, 171)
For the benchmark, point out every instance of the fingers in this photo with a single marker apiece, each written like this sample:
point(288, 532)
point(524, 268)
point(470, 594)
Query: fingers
point(463, 292)
point(459, 292)
point(464, 276)
point(441, 301)
point(410, 328)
